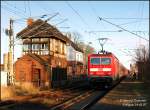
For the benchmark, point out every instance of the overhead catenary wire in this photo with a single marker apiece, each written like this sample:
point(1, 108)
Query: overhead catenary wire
point(131, 22)
point(127, 18)
point(137, 20)
point(129, 54)
point(114, 31)
point(123, 28)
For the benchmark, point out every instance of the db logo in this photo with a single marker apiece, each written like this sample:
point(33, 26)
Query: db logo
point(100, 69)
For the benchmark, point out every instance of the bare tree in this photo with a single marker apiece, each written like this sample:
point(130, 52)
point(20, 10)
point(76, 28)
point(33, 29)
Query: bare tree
point(141, 54)
point(142, 61)
point(75, 37)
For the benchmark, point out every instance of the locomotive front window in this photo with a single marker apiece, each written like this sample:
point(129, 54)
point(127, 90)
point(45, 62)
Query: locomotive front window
point(95, 61)
point(105, 61)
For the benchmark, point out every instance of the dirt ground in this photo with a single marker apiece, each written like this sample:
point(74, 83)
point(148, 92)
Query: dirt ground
point(128, 95)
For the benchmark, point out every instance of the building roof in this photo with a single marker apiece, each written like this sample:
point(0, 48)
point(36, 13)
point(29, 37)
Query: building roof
point(40, 28)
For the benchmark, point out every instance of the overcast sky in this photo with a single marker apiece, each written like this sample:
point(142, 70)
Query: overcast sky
point(82, 17)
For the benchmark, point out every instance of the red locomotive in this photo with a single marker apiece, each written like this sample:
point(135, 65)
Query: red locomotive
point(104, 69)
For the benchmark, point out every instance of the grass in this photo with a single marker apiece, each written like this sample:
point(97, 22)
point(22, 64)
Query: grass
point(28, 88)
point(7, 92)
point(10, 92)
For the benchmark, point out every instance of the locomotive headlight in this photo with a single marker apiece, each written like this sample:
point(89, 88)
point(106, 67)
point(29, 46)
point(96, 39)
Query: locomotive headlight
point(106, 69)
point(93, 69)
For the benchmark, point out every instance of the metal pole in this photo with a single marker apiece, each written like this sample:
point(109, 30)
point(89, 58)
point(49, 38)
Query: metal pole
point(10, 53)
point(102, 48)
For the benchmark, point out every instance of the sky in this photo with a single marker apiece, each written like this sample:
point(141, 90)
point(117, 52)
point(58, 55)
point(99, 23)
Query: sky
point(83, 17)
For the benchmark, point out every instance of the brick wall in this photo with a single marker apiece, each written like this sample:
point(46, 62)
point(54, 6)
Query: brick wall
point(25, 71)
point(31, 71)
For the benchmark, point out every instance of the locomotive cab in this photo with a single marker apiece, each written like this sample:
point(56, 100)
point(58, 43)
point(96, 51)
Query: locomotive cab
point(101, 69)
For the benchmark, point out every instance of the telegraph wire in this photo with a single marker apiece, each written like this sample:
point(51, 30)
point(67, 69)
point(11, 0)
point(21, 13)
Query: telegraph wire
point(61, 21)
point(21, 19)
point(82, 19)
point(141, 13)
point(13, 11)
point(25, 6)
point(43, 31)
point(29, 8)
point(40, 24)
point(94, 11)
point(18, 9)
point(40, 32)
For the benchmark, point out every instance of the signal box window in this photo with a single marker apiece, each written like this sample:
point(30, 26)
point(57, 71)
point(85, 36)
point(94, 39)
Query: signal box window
point(105, 61)
point(95, 61)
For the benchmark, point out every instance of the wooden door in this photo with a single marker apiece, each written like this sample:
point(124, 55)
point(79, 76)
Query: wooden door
point(36, 77)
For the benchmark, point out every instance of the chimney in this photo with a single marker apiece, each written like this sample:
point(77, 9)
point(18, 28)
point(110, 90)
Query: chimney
point(29, 21)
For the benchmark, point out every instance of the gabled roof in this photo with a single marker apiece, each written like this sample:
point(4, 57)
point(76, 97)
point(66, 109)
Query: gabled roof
point(40, 28)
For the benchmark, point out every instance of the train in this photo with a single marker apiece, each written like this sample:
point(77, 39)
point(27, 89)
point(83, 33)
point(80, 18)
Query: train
point(104, 69)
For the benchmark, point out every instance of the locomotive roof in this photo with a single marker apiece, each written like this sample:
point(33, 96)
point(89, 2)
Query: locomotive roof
point(106, 54)
point(101, 54)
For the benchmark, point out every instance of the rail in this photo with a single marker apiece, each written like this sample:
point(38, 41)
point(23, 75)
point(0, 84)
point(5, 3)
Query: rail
point(86, 102)
point(92, 102)
point(71, 101)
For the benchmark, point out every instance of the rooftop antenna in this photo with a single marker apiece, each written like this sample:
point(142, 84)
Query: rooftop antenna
point(102, 42)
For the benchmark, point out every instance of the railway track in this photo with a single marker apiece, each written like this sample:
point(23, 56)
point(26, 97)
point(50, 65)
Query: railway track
point(85, 100)
point(81, 101)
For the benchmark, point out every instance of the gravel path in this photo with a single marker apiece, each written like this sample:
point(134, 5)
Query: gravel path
point(128, 95)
